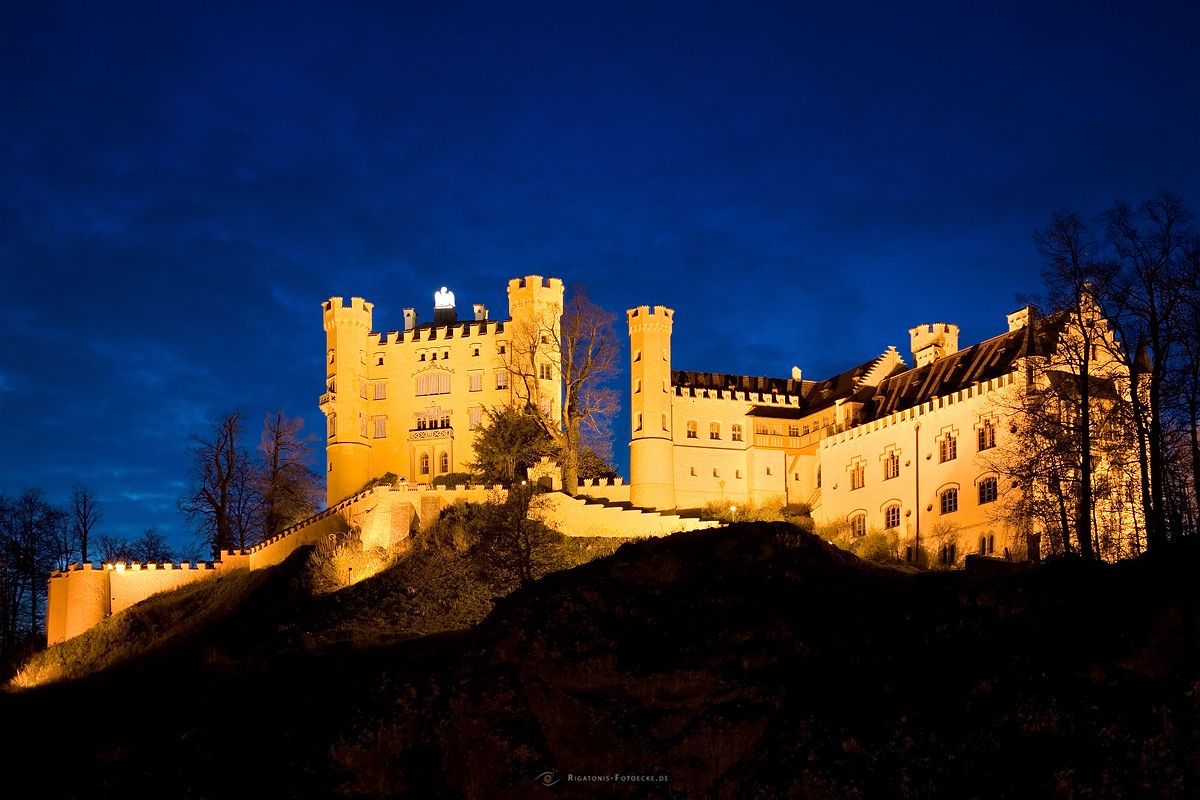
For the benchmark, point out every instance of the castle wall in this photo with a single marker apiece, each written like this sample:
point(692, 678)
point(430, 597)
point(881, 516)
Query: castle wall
point(916, 436)
point(573, 516)
point(132, 583)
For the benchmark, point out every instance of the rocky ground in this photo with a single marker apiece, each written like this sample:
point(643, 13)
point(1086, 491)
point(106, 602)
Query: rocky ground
point(750, 661)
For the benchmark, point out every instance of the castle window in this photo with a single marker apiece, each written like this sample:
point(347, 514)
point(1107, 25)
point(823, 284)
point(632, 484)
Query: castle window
point(735, 432)
point(381, 391)
point(433, 357)
point(947, 554)
point(424, 464)
point(476, 381)
point(433, 383)
point(380, 427)
point(891, 465)
point(858, 524)
point(737, 473)
point(362, 356)
point(716, 472)
point(988, 490)
point(691, 429)
point(793, 430)
point(444, 463)
point(693, 472)
point(546, 405)
point(949, 501)
point(768, 471)
point(501, 349)
point(362, 425)
point(475, 351)
point(502, 379)
point(891, 516)
point(637, 422)
point(637, 385)
point(474, 417)
point(362, 390)
point(545, 372)
point(332, 355)
point(637, 356)
point(421, 357)
point(857, 477)
point(379, 360)
point(948, 448)
point(987, 544)
point(714, 430)
point(818, 477)
point(446, 355)
point(987, 435)
point(664, 422)
point(332, 425)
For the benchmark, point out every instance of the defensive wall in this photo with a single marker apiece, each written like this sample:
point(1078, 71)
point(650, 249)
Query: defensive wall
point(83, 595)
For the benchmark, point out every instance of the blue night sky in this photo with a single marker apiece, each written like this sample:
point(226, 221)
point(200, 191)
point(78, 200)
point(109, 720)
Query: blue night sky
point(183, 186)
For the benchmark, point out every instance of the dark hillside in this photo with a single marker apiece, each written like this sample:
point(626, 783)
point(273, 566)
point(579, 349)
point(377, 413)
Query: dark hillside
point(751, 661)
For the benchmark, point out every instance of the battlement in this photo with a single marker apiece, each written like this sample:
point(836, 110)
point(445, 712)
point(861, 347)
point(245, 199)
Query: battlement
point(534, 282)
point(933, 341)
point(658, 313)
point(358, 313)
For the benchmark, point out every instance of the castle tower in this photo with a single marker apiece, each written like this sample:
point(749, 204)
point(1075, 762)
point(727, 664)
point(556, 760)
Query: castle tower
point(349, 450)
point(651, 464)
point(536, 307)
point(931, 342)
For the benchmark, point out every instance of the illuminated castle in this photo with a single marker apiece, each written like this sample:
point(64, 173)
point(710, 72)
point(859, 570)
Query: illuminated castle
point(882, 447)
point(409, 401)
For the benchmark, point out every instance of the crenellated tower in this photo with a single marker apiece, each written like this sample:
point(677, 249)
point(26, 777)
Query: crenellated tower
point(535, 306)
point(651, 463)
point(344, 402)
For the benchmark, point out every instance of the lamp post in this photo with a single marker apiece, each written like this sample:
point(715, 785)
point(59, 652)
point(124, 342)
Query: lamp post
point(917, 493)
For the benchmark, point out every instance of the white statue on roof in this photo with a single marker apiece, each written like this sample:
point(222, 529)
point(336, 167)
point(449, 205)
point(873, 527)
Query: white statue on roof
point(443, 298)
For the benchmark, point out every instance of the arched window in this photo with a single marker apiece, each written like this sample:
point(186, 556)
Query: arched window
point(949, 500)
point(891, 516)
point(891, 465)
point(858, 524)
point(857, 476)
point(948, 450)
point(444, 463)
point(424, 463)
point(988, 491)
point(987, 435)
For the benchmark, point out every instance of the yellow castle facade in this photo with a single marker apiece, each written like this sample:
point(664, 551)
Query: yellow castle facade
point(409, 401)
point(907, 449)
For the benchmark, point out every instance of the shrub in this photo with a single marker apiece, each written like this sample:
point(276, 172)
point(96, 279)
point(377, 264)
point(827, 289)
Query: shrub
point(340, 561)
point(453, 479)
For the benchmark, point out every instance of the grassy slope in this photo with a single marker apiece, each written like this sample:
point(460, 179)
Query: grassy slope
point(753, 661)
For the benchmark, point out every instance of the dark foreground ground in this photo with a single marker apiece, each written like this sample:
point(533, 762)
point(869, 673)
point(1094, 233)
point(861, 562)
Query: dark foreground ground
point(753, 661)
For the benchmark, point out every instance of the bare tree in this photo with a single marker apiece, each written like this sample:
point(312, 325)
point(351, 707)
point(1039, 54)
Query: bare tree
point(85, 516)
point(289, 488)
point(114, 549)
point(1156, 250)
point(1074, 274)
point(151, 548)
point(582, 351)
point(222, 502)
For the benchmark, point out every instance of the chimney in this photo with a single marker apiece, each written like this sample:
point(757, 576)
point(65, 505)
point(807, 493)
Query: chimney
point(410, 319)
point(931, 342)
point(481, 312)
point(443, 307)
point(796, 373)
point(1020, 318)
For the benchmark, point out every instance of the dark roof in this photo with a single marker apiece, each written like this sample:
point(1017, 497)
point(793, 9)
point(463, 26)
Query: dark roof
point(989, 359)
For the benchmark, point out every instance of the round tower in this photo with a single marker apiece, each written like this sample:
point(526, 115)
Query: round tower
point(651, 461)
point(348, 450)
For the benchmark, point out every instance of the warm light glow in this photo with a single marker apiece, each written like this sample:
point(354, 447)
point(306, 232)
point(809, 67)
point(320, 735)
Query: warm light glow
point(121, 567)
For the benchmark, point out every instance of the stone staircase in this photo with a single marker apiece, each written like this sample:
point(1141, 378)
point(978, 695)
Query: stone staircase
point(587, 516)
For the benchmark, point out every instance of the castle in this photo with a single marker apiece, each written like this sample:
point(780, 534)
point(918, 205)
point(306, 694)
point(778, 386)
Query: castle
point(882, 447)
point(409, 401)
point(911, 451)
